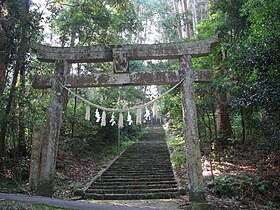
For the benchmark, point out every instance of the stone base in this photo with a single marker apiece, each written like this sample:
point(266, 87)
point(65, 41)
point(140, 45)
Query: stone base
point(198, 197)
point(44, 189)
point(79, 192)
point(201, 206)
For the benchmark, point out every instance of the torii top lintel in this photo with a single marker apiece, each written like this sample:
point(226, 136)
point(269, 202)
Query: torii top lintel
point(99, 53)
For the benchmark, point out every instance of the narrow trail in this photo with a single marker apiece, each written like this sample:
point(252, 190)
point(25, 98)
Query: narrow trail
point(79, 205)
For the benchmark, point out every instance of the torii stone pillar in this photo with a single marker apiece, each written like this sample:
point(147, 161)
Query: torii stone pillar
point(51, 134)
point(193, 155)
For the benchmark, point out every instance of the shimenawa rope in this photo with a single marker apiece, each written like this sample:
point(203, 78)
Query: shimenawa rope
point(124, 109)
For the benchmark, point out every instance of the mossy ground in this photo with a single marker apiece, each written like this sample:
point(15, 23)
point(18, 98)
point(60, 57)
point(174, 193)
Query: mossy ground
point(15, 205)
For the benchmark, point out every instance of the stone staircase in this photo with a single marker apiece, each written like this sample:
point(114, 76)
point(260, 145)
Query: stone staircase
point(143, 171)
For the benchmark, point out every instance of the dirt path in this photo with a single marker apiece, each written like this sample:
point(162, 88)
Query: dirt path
point(79, 205)
point(162, 204)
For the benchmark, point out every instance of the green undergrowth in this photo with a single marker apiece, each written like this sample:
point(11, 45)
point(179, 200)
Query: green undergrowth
point(178, 154)
point(241, 187)
point(15, 205)
point(72, 170)
point(9, 186)
point(243, 176)
point(238, 186)
point(65, 183)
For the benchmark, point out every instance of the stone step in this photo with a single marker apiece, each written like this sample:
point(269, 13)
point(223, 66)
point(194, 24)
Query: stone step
point(139, 173)
point(144, 154)
point(131, 191)
point(145, 151)
point(152, 154)
point(139, 179)
point(144, 157)
point(141, 165)
point(133, 186)
point(164, 195)
point(146, 160)
point(163, 182)
point(121, 169)
point(143, 171)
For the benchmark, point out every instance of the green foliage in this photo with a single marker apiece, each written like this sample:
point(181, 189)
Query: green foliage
point(93, 22)
point(16, 205)
point(179, 159)
point(229, 23)
point(178, 156)
point(257, 72)
point(238, 187)
point(63, 186)
point(226, 186)
point(171, 108)
point(12, 186)
point(22, 168)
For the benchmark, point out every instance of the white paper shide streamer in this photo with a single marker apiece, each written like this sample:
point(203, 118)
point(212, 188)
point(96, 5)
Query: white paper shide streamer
point(155, 110)
point(129, 118)
point(120, 123)
point(147, 114)
point(139, 117)
point(103, 119)
point(112, 121)
point(87, 116)
point(97, 115)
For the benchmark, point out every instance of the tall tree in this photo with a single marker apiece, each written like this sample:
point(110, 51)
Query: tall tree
point(178, 19)
point(3, 46)
point(186, 26)
point(255, 59)
point(230, 27)
point(18, 40)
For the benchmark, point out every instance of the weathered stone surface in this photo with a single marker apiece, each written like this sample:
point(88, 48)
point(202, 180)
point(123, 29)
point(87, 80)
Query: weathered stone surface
point(73, 54)
point(97, 53)
point(134, 78)
point(52, 131)
point(37, 139)
point(120, 61)
point(201, 206)
point(193, 155)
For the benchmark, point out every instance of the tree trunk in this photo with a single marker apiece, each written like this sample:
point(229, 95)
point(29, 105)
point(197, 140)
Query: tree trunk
point(19, 64)
point(22, 65)
point(178, 19)
point(244, 137)
point(194, 17)
point(193, 155)
point(21, 104)
point(3, 42)
point(186, 27)
point(223, 119)
point(216, 144)
point(73, 123)
point(3, 57)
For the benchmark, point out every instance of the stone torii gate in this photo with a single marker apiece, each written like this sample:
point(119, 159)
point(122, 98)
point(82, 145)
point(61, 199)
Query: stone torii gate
point(41, 174)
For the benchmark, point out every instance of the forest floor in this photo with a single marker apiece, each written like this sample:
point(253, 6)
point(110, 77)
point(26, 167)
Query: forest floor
point(244, 178)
